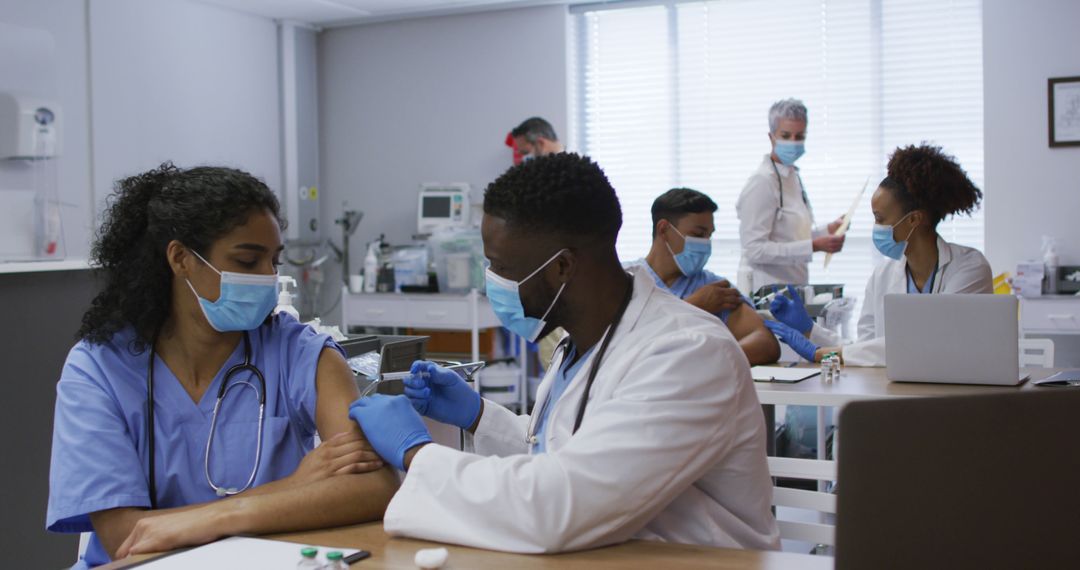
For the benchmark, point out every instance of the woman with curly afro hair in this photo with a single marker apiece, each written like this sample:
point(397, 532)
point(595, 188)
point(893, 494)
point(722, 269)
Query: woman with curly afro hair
point(142, 454)
point(923, 186)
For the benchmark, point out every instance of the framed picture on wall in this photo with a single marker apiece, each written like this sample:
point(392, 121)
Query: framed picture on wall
point(1064, 94)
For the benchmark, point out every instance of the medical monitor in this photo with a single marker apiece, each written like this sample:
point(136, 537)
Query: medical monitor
point(442, 206)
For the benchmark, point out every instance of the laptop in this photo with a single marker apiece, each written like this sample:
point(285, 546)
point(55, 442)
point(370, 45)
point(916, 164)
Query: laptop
point(987, 481)
point(952, 339)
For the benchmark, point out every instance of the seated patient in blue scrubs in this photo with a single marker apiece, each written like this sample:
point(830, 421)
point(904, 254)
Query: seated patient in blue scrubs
point(682, 229)
point(186, 412)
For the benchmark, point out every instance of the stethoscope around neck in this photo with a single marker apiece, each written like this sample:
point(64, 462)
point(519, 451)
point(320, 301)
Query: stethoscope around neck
point(223, 389)
point(780, 181)
point(530, 437)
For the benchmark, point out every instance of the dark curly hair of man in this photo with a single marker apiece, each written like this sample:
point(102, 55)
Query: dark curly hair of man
point(562, 194)
point(194, 206)
point(924, 178)
point(676, 203)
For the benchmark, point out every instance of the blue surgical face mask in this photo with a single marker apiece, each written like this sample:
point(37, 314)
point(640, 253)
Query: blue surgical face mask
point(788, 151)
point(884, 242)
point(244, 302)
point(694, 255)
point(506, 302)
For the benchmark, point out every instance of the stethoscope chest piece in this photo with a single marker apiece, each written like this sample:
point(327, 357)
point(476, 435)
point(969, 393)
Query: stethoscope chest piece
point(223, 389)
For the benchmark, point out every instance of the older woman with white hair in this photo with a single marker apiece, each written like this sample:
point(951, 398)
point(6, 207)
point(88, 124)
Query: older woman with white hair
point(776, 223)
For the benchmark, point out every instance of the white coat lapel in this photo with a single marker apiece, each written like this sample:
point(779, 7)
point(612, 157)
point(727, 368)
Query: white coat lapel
point(562, 416)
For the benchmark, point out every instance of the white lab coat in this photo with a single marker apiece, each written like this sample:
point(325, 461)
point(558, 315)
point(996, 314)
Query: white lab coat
point(671, 448)
point(776, 244)
point(960, 270)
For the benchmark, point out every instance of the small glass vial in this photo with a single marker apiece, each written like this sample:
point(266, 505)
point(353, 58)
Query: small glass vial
point(829, 368)
point(335, 560)
point(836, 367)
point(307, 558)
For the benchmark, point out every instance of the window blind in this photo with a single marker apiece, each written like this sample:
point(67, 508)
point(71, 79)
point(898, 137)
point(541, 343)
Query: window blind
point(677, 94)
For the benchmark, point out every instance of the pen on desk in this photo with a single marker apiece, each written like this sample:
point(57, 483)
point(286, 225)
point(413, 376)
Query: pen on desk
point(356, 557)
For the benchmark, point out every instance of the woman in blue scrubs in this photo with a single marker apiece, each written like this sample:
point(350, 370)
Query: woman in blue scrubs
point(140, 455)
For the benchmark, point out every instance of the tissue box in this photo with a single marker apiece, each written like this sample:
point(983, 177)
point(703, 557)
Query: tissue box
point(1068, 279)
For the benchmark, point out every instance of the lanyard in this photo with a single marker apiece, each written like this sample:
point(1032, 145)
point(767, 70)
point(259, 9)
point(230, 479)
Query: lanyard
point(593, 368)
point(933, 277)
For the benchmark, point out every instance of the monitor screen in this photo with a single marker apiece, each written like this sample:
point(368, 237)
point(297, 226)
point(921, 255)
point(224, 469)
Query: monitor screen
point(436, 207)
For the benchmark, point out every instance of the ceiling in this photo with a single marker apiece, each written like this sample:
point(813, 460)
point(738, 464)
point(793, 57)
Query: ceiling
point(328, 13)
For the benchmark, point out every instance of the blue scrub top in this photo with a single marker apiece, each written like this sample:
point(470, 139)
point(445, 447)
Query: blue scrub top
point(913, 289)
point(99, 450)
point(563, 377)
point(685, 286)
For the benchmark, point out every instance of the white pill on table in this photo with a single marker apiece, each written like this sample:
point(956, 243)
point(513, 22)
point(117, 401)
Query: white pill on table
point(430, 558)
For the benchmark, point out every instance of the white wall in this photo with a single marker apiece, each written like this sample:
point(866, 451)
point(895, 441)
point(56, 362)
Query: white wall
point(1031, 189)
point(172, 79)
point(431, 99)
point(66, 82)
point(181, 81)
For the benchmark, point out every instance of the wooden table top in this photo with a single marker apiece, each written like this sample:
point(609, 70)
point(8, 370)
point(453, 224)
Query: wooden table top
point(398, 553)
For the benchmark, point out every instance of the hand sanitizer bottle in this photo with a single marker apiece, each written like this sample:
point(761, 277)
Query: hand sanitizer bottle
point(285, 297)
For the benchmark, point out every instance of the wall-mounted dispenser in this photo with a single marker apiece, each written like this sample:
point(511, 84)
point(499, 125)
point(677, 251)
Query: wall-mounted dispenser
point(29, 127)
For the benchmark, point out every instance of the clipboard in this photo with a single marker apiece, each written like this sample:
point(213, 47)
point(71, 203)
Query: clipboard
point(781, 374)
point(846, 222)
point(1067, 378)
point(238, 552)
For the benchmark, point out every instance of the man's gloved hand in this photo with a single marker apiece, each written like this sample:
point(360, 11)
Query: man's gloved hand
point(391, 425)
point(442, 395)
point(792, 338)
point(791, 312)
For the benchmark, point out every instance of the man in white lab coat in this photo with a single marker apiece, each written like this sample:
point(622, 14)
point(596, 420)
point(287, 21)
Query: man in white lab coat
point(647, 424)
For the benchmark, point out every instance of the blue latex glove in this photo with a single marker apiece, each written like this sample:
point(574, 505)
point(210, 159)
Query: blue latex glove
point(791, 312)
point(442, 395)
point(391, 425)
point(794, 339)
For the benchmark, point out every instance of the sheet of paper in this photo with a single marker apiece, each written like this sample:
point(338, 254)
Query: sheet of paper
point(240, 552)
point(846, 222)
point(781, 374)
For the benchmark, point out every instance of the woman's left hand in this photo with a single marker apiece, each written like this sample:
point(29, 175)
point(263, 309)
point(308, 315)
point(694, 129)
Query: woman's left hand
point(164, 532)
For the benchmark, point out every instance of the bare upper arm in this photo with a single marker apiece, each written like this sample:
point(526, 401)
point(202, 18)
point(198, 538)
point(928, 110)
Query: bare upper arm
point(743, 320)
point(335, 389)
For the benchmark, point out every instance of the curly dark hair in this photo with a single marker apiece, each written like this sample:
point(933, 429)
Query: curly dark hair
point(195, 206)
point(924, 178)
point(564, 194)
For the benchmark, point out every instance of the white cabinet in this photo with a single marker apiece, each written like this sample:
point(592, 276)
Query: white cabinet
point(1050, 315)
point(1056, 317)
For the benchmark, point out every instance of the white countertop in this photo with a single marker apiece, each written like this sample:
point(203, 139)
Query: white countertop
point(36, 266)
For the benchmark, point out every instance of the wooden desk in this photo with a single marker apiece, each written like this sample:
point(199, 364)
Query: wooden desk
point(387, 552)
